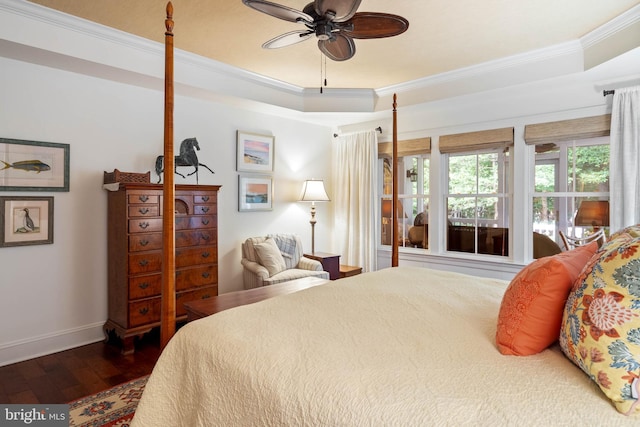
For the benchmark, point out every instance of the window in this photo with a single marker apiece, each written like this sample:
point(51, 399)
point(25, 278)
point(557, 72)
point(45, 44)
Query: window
point(477, 202)
point(571, 167)
point(413, 197)
point(477, 191)
point(413, 193)
point(566, 175)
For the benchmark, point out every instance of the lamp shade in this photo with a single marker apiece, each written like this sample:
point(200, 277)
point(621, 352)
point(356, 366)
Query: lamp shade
point(386, 208)
point(313, 191)
point(594, 213)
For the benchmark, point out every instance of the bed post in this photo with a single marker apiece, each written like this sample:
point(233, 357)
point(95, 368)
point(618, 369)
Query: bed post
point(394, 202)
point(168, 310)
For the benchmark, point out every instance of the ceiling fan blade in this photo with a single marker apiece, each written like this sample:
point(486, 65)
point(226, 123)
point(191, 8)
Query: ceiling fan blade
point(278, 10)
point(343, 9)
point(287, 39)
point(373, 25)
point(340, 49)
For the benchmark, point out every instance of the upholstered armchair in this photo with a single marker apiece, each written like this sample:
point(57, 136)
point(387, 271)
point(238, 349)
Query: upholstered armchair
point(276, 258)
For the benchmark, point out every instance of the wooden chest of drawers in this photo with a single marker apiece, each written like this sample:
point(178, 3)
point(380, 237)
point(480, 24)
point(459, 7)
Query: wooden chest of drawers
point(135, 254)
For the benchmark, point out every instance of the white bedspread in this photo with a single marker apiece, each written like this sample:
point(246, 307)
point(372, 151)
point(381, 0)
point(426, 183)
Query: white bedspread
point(399, 347)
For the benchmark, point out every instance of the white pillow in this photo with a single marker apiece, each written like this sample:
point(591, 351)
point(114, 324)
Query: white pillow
point(270, 257)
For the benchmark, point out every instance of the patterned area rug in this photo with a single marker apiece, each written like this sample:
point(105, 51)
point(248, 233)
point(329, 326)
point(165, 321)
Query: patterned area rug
point(112, 407)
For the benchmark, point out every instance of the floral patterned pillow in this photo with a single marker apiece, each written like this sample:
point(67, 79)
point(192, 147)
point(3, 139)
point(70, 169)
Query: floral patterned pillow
point(600, 329)
point(627, 233)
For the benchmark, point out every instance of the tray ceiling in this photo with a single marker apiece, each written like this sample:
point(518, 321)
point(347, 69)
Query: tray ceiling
point(443, 36)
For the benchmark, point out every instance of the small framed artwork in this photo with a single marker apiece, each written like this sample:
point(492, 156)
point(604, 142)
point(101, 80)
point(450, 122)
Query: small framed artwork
point(33, 166)
point(26, 221)
point(255, 152)
point(255, 193)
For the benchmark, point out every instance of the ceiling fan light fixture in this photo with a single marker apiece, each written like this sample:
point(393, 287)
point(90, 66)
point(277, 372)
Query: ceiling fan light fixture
point(323, 31)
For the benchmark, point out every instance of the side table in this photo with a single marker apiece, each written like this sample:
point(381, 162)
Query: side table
point(330, 263)
point(349, 270)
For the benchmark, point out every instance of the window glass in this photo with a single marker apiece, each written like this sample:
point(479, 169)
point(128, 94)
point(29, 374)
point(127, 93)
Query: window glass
point(477, 203)
point(413, 195)
point(565, 175)
point(588, 168)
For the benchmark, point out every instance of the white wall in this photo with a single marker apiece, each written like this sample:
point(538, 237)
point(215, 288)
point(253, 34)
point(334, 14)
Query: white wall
point(54, 296)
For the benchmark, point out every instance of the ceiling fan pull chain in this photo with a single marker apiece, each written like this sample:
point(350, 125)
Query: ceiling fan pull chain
point(321, 72)
point(325, 69)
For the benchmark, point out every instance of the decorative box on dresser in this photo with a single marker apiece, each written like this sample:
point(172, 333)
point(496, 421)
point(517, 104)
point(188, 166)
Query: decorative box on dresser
point(135, 254)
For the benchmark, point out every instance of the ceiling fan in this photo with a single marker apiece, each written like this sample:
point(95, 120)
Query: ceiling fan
point(335, 24)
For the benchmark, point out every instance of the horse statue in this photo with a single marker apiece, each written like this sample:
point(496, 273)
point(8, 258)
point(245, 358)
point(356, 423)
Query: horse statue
point(187, 157)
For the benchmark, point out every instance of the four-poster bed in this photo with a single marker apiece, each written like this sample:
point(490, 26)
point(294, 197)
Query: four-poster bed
point(399, 346)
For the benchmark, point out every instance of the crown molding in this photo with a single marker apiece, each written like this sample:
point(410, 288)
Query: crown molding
point(538, 64)
point(620, 23)
point(612, 39)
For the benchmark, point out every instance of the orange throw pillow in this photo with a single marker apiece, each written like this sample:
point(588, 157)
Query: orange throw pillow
point(532, 306)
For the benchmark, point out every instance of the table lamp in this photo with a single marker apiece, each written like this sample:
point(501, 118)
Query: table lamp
point(313, 191)
point(594, 213)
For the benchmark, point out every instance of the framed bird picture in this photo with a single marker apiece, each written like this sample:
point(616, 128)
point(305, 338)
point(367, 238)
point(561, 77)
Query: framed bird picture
point(33, 165)
point(26, 221)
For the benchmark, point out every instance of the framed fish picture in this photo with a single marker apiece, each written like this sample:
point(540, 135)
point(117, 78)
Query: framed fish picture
point(26, 221)
point(33, 166)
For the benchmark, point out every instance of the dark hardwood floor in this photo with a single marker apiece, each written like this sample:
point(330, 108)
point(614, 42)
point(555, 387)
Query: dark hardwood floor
point(68, 375)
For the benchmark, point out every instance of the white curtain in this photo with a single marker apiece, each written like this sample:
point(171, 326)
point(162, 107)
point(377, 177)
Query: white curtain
point(355, 190)
point(625, 158)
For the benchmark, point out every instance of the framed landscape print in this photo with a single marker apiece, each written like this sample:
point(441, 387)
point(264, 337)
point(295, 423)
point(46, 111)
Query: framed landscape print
point(26, 221)
point(255, 193)
point(33, 166)
point(255, 152)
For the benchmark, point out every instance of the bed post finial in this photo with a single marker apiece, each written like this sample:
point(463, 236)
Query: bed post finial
point(168, 23)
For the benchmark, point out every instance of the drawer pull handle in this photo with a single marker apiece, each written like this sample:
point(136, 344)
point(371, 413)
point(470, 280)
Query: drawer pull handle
point(143, 285)
point(143, 211)
point(143, 263)
point(143, 310)
point(205, 237)
point(143, 198)
point(205, 209)
point(144, 242)
point(205, 254)
point(206, 274)
point(205, 198)
point(178, 273)
point(205, 221)
point(143, 225)
point(206, 296)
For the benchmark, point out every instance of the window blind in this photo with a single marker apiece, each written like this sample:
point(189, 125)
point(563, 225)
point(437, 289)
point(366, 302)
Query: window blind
point(408, 147)
point(567, 130)
point(473, 141)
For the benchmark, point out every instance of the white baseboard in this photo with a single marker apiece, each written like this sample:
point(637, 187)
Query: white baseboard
point(29, 348)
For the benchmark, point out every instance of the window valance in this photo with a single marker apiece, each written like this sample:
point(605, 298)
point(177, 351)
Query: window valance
point(567, 130)
point(473, 141)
